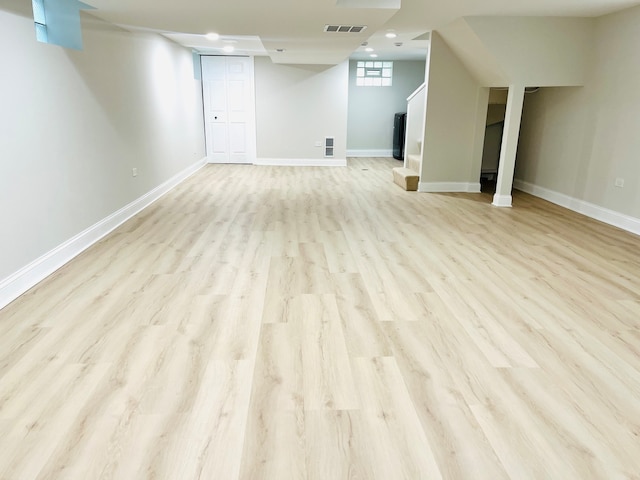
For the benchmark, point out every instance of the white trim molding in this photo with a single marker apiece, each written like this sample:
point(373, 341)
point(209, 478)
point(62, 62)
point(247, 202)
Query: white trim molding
point(449, 187)
point(369, 153)
point(417, 91)
point(611, 217)
point(29, 276)
point(302, 162)
point(502, 200)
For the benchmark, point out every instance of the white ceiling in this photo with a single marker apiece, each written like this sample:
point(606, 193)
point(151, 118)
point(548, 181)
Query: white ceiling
point(261, 27)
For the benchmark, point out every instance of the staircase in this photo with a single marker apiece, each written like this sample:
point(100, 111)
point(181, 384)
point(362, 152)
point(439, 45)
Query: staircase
point(409, 176)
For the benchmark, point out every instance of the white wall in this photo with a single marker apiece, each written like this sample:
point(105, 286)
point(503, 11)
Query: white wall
point(538, 51)
point(455, 122)
point(74, 124)
point(531, 51)
point(371, 109)
point(553, 136)
point(297, 105)
point(473, 53)
point(577, 141)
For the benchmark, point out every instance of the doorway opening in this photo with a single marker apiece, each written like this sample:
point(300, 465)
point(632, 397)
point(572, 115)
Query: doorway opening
point(494, 133)
point(494, 128)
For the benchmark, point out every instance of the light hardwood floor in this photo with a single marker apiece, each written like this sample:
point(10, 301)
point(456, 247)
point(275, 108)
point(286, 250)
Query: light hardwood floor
point(321, 323)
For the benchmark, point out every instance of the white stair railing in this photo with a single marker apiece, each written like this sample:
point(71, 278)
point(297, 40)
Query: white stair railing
point(414, 131)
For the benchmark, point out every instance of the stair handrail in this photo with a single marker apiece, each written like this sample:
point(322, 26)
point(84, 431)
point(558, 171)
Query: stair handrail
point(417, 91)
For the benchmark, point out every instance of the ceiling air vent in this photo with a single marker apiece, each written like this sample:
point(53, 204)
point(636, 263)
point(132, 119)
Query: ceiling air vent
point(344, 28)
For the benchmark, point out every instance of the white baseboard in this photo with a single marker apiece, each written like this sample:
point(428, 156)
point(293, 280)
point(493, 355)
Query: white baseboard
point(369, 153)
point(27, 277)
point(448, 187)
point(302, 162)
point(502, 200)
point(611, 217)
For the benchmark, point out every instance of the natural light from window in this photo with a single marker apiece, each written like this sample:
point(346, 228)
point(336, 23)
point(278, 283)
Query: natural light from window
point(374, 74)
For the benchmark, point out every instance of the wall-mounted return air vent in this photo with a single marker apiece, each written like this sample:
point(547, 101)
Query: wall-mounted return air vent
point(344, 28)
point(328, 146)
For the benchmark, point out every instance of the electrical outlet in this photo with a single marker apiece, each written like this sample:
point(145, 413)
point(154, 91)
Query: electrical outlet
point(318, 143)
point(620, 182)
point(134, 172)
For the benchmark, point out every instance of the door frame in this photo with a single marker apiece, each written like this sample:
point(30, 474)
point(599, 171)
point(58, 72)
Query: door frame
point(251, 114)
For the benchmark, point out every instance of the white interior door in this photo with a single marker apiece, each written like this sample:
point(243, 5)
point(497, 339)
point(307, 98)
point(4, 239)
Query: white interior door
point(229, 109)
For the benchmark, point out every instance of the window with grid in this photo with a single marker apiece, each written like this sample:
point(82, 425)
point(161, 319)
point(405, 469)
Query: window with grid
point(374, 74)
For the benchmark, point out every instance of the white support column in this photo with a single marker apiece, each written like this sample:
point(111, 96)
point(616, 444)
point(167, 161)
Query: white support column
point(504, 184)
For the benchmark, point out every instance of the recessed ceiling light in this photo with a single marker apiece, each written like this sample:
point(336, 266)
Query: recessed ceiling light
point(279, 50)
point(212, 36)
point(368, 49)
point(391, 35)
point(374, 55)
point(228, 48)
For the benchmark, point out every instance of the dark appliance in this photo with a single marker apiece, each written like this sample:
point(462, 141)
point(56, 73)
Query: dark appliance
point(399, 123)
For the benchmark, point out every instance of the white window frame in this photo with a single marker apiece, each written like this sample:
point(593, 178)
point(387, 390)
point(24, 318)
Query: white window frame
point(374, 73)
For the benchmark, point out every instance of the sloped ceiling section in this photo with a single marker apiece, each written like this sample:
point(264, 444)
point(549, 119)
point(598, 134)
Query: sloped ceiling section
point(534, 51)
point(474, 54)
point(537, 51)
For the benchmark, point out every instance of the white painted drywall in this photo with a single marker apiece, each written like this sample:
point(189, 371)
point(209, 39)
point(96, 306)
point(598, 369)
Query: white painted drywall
point(553, 139)
point(297, 105)
point(537, 51)
point(473, 53)
point(455, 119)
point(73, 124)
point(577, 141)
point(371, 109)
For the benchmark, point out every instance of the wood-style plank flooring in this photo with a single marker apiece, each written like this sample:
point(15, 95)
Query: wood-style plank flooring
point(321, 323)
